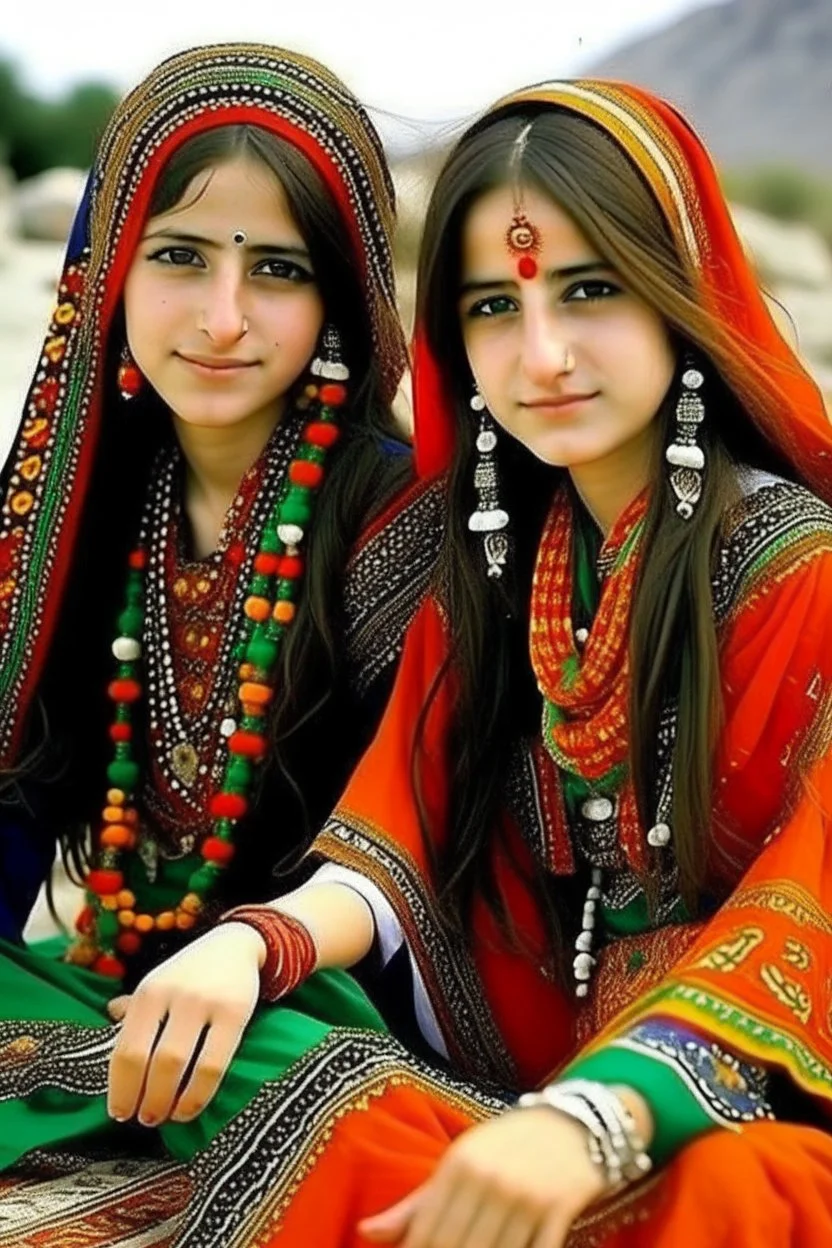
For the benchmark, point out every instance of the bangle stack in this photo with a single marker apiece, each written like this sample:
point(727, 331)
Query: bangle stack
point(291, 955)
point(614, 1143)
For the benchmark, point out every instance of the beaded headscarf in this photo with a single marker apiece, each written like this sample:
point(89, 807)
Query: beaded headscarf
point(48, 471)
point(677, 168)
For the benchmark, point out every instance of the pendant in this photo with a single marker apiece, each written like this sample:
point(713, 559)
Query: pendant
point(597, 809)
point(149, 856)
point(184, 761)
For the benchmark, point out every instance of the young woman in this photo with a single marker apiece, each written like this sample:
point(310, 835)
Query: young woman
point(196, 639)
point(596, 812)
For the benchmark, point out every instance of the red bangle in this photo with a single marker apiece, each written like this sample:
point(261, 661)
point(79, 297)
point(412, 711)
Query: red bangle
point(291, 956)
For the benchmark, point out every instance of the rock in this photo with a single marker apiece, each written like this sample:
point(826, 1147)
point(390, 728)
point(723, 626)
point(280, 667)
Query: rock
point(28, 281)
point(785, 251)
point(45, 205)
point(812, 313)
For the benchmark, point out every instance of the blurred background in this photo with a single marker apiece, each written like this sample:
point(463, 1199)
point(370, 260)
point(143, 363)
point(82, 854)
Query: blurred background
point(754, 76)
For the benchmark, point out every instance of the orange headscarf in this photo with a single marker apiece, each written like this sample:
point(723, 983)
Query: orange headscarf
point(681, 175)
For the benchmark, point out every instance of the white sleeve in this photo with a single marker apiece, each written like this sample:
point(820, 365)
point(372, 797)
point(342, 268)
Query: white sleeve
point(390, 938)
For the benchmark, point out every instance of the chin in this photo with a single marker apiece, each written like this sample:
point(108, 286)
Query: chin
point(561, 452)
point(204, 417)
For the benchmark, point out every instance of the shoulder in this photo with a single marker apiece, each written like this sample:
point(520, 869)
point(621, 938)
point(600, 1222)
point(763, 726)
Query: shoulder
point(775, 528)
point(388, 575)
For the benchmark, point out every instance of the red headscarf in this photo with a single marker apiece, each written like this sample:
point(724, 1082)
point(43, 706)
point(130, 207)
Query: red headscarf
point(678, 169)
point(48, 471)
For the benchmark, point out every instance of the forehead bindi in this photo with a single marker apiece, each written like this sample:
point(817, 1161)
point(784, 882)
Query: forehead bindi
point(233, 204)
point(503, 241)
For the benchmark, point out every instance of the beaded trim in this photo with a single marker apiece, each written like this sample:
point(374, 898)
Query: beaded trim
point(53, 454)
point(730, 1091)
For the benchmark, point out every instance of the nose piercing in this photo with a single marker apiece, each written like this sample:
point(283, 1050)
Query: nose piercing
point(245, 327)
point(568, 361)
point(239, 238)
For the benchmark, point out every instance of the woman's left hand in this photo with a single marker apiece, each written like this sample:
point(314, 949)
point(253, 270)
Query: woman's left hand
point(517, 1181)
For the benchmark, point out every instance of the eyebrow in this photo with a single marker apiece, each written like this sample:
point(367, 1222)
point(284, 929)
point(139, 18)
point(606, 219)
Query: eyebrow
point(570, 270)
point(255, 249)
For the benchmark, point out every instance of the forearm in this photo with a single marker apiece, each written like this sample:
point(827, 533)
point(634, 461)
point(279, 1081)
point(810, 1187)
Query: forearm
point(338, 919)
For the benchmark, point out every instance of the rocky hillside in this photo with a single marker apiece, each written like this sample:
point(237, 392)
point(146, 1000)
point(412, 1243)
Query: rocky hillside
point(754, 76)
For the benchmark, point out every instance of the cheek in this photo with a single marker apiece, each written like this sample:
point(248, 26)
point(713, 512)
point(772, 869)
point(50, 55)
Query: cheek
point(637, 360)
point(148, 313)
point(489, 359)
point(295, 324)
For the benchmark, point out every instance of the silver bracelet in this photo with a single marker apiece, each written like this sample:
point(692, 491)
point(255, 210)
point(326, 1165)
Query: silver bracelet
point(613, 1141)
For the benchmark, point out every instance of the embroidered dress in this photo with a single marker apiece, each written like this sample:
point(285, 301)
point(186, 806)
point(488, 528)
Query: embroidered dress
point(78, 481)
point(725, 1018)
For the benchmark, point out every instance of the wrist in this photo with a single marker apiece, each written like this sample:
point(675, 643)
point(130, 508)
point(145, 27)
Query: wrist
point(250, 936)
point(291, 954)
point(639, 1110)
point(614, 1142)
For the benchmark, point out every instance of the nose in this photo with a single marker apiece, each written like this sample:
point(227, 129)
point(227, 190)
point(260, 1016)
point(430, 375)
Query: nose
point(547, 353)
point(222, 317)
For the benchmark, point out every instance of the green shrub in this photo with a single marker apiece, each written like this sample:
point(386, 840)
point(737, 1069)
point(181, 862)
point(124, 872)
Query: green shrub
point(784, 192)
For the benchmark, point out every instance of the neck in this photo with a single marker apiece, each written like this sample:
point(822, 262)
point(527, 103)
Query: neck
point(607, 486)
point(216, 460)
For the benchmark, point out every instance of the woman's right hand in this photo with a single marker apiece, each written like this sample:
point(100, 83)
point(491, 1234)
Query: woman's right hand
point(187, 1016)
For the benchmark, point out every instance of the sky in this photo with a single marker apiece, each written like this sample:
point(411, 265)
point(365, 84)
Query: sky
point(424, 60)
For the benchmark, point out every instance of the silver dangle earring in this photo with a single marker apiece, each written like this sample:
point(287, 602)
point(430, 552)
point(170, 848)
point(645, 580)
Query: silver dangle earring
point(685, 456)
point(329, 363)
point(489, 518)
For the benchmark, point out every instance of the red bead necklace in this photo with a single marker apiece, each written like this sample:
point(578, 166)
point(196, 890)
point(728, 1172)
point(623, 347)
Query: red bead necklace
point(111, 926)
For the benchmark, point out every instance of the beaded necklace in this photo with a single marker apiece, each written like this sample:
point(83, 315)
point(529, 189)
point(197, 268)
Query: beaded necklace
point(192, 609)
point(110, 925)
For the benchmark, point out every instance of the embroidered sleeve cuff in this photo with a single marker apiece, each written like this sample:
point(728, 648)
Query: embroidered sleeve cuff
point(689, 1082)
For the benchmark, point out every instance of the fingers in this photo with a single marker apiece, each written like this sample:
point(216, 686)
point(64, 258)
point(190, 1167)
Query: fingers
point(220, 1045)
point(389, 1226)
point(443, 1216)
point(169, 1063)
point(117, 1008)
point(498, 1226)
point(553, 1232)
point(131, 1056)
point(518, 1231)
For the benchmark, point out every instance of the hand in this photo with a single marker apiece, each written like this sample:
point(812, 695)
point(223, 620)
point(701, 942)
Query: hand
point(187, 1015)
point(517, 1181)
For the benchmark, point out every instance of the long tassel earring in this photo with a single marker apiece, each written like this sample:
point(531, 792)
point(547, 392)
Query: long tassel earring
point(489, 518)
point(128, 378)
point(685, 456)
point(328, 363)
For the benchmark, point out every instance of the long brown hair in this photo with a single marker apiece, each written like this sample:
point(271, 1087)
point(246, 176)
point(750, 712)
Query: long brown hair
point(673, 639)
point(361, 474)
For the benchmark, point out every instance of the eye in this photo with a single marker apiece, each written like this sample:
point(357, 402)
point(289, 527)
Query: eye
point(179, 257)
point(589, 292)
point(494, 305)
point(285, 270)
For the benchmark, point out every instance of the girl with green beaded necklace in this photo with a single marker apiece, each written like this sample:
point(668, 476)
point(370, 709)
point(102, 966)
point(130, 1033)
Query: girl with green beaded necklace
point(197, 629)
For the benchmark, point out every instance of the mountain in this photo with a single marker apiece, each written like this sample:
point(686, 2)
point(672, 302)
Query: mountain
point(754, 77)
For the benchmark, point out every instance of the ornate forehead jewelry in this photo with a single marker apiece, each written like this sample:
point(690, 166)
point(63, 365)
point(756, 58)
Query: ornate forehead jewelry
point(239, 237)
point(522, 237)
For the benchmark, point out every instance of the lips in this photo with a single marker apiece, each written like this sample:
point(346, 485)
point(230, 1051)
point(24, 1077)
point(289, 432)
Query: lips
point(216, 364)
point(559, 400)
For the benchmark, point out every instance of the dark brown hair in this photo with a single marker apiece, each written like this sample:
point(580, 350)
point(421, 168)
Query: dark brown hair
point(673, 640)
point(361, 475)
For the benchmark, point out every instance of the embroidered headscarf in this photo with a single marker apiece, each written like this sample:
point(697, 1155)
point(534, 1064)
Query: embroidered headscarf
point(48, 471)
point(680, 173)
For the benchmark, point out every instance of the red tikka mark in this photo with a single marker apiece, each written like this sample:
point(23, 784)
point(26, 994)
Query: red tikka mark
point(523, 240)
